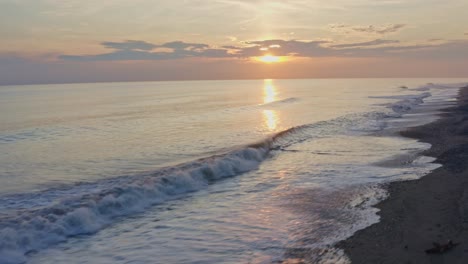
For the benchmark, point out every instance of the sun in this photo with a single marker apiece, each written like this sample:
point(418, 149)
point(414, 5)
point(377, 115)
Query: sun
point(268, 58)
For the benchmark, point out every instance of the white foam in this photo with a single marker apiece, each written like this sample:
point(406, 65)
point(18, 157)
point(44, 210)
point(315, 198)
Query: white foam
point(364, 201)
point(334, 256)
point(439, 86)
point(405, 102)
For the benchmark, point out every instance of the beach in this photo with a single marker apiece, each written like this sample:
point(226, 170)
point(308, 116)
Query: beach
point(433, 209)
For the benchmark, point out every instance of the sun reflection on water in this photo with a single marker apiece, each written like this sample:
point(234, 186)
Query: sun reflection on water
point(269, 95)
point(271, 119)
point(269, 91)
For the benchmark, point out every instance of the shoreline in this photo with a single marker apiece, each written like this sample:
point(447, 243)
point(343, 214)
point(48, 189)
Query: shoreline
point(432, 209)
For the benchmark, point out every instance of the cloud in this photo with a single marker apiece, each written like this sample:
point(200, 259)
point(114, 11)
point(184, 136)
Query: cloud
point(381, 29)
point(372, 29)
point(456, 49)
point(139, 50)
point(318, 48)
point(285, 48)
point(129, 45)
point(180, 50)
point(180, 45)
point(367, 43)
point(338, 26)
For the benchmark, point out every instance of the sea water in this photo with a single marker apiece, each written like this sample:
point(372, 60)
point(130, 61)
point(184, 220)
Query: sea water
point(256, 171)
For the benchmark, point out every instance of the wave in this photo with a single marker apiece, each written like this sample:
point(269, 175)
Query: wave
point(405, 103)
point(281, 102)
point(29, 230)
point(31, 222)
point(439, 86)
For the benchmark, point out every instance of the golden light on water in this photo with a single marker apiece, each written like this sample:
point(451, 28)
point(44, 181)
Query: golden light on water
point(269, 95)
point(271, 119)
point(269, 91)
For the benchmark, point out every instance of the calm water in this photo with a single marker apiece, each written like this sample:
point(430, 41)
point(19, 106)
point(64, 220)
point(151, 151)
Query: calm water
point(203, 172)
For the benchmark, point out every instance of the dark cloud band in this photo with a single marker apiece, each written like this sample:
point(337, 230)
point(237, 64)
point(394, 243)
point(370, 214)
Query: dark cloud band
point(141, 50)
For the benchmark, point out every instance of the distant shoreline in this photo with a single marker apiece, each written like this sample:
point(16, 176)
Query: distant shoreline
point(433, 209)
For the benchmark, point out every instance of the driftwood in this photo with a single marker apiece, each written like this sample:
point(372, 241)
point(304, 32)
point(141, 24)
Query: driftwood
point(441, 248)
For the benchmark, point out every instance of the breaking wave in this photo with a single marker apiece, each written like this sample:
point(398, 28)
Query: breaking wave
point(406, 102)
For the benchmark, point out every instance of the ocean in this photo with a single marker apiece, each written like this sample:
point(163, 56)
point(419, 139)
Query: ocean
point(246, 171)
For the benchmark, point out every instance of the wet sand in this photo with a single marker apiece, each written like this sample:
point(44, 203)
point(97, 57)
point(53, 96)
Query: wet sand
point(431, 209)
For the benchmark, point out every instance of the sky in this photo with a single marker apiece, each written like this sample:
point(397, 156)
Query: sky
point(63, 41)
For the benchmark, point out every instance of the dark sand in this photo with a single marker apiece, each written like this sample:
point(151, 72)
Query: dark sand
point(431, 209)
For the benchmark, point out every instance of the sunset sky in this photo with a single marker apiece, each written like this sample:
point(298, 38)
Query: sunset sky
point(56, 41)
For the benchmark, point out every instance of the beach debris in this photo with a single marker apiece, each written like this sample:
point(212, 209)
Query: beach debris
point(441, 248)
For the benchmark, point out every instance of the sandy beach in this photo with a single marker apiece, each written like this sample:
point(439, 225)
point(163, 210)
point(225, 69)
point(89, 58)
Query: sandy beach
point(433, 209)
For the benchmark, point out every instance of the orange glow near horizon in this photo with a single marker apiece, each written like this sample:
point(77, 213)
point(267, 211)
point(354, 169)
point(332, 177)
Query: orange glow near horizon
point(268, 58)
